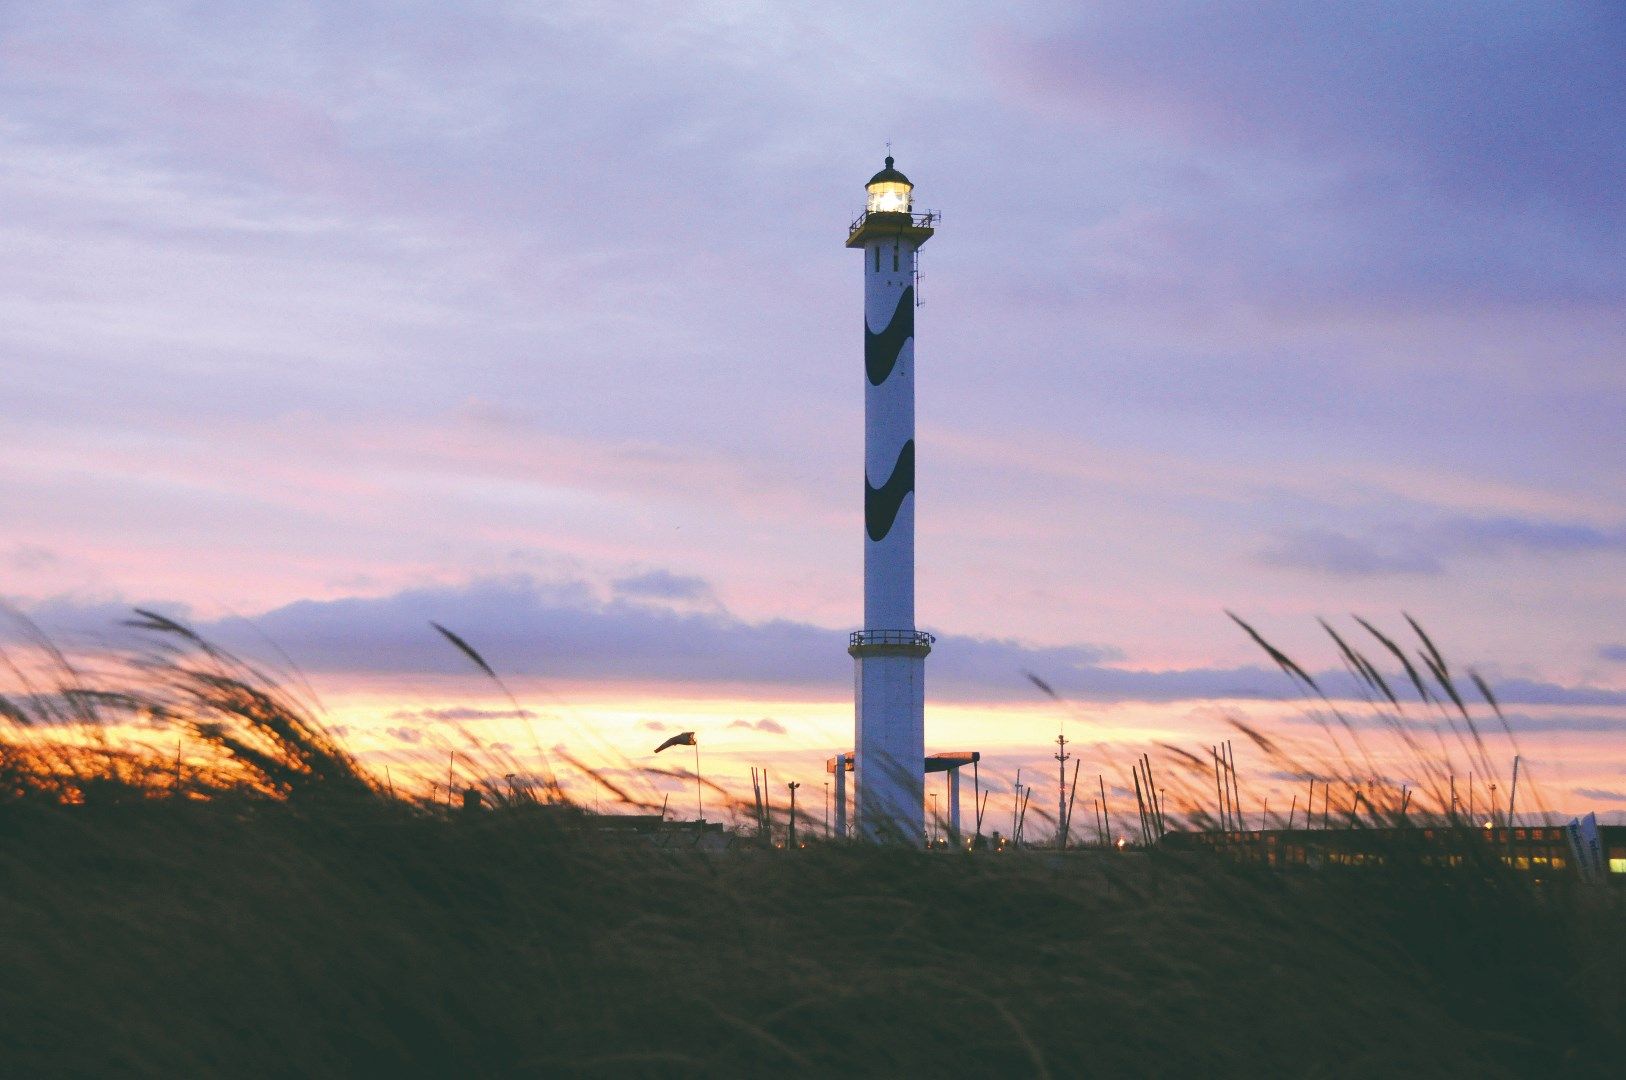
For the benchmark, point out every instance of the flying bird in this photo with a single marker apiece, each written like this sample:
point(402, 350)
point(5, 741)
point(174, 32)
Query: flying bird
point(684, 739)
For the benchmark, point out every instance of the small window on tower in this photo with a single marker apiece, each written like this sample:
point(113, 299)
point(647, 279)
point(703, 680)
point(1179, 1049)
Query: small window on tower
point(894, 257)
point(877, 258)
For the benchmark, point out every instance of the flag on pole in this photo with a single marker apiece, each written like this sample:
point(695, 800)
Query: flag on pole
point(685, 739)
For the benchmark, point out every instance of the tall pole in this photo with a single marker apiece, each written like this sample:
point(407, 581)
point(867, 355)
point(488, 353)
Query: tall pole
point(790, 837)
point(1061, 756)
point(1513, 792)
point(1017, 805)
point(699, 800)
point(889, 652)
point(841, 795)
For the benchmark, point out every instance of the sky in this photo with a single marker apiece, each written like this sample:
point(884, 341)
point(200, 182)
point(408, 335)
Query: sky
point(319, 322)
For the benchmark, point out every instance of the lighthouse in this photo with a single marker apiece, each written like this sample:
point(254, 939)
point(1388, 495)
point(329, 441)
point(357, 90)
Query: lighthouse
point(889, 654)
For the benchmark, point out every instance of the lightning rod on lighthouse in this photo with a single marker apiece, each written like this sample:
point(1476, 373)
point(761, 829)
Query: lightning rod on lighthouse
point(889, 654)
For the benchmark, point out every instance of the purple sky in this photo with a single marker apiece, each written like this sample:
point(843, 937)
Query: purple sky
point(535, 319)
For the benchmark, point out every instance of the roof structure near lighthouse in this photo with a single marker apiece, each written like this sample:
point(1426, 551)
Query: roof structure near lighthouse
point(889, 175)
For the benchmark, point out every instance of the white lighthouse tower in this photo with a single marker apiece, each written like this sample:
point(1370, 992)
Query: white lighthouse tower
point(889, 653)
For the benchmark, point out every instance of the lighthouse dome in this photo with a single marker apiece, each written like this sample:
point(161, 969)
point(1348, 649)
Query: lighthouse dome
point(889, 175)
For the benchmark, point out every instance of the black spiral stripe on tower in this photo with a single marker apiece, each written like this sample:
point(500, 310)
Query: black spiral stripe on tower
point(881, 350)
point(881, 504)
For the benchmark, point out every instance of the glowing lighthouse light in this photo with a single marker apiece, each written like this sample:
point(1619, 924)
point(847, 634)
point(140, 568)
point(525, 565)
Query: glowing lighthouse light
point(888, 192)
point(889, 653)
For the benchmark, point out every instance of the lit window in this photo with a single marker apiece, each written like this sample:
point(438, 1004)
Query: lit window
point(1617, 866)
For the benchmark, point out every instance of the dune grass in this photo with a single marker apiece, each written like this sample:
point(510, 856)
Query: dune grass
point(269, 908)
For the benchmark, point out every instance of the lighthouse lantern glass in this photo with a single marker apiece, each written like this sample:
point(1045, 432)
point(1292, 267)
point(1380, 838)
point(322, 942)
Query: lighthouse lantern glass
point(889, 197)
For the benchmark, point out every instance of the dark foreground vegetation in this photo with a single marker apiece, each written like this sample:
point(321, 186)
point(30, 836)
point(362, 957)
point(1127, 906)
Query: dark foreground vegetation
point(244, 938)
point(278, 912)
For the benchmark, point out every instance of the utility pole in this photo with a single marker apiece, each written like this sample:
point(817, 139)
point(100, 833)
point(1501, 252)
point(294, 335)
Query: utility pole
point(1513, 792)
point(790, 838)
point(1017, 805)
point(1061, 756)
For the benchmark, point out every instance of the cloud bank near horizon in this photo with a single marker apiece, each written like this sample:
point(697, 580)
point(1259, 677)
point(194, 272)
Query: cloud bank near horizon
point(570, 631)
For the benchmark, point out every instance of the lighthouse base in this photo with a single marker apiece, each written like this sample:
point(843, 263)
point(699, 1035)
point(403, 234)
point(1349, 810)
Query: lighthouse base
point(890, 692)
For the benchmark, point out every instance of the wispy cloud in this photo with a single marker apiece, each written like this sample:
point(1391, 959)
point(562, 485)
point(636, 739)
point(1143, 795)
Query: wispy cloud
point(663, 585)
point(1424, 550)
point(460, 714)
point(1347, 556)
point(1497, 535)
point(29, 557)
point(767, 724)
point(1482, 102)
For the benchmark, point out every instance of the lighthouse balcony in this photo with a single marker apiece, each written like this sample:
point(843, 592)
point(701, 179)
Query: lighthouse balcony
point(889, 643)
point(890, 637)
point(872, 224)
